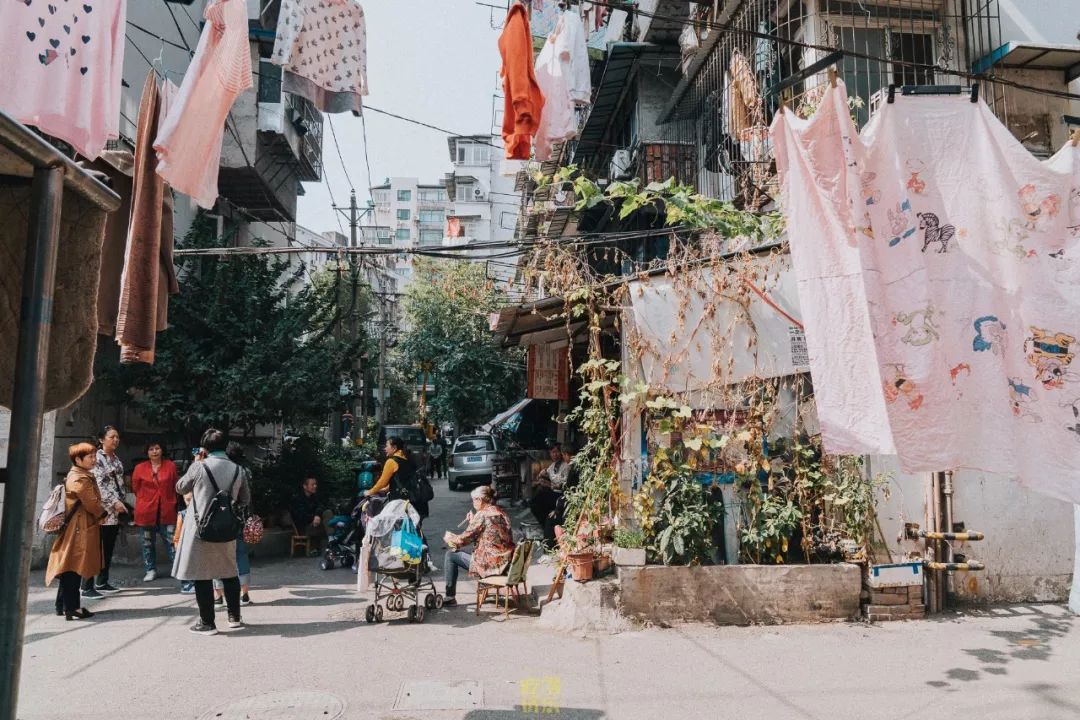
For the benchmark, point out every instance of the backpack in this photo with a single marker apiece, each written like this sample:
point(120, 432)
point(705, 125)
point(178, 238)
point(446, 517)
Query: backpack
point(408, 485)
point(221, 521)
point(53, 519)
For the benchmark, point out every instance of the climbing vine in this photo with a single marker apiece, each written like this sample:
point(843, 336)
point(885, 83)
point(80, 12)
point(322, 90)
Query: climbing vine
point(797, 505)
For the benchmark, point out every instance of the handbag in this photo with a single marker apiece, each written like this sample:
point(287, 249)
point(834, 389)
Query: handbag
point(220, 522)
point(406, 543)
point(253, 530)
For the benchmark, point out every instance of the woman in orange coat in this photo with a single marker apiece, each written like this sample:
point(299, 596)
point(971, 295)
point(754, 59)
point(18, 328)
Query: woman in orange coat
point(76, 554)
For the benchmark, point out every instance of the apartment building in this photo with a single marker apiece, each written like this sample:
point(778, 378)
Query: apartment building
point(409, 214)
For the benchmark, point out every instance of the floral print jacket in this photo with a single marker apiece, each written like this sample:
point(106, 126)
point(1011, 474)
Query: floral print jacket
point(490, 531)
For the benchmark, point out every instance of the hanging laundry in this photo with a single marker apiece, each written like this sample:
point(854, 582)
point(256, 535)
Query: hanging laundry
point(321, 46)
point(117, 166)
point(73, 334)
point(524, 102)
point(149, 276)
point(558, 122)
point(746, 104)
point(942, 315)
point(189, 141)
point(574, 46)
point(62, 66)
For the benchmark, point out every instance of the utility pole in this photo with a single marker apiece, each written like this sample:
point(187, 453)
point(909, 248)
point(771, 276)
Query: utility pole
point(359, 391)
point(383, 330)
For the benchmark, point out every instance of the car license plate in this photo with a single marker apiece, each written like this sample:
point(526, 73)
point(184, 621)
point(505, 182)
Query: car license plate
point(474, 458)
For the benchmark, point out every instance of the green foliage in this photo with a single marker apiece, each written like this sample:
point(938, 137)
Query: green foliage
point(241, 349)
point(629, 539)
point(446, 310)
point(276, 479)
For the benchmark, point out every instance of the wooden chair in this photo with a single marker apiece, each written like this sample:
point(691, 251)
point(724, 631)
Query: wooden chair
point(299, 541)
point(506, 585)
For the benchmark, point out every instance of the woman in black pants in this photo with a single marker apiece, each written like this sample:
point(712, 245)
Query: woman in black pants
point(77, 550)
point(201, 561)
point(109, 474)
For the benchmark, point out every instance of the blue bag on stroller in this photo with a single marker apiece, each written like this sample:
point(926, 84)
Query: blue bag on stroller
point(406, 543)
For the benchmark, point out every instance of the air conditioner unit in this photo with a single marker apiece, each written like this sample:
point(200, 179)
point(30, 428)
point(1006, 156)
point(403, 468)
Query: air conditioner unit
point(478, 194)
point(622, 164)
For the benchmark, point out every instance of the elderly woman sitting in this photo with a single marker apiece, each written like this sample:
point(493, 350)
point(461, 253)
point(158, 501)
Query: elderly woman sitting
point(489, 530)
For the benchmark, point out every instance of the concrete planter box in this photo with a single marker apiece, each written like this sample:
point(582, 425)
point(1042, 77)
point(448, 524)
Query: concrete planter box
point(628, 557)
point(740, 594)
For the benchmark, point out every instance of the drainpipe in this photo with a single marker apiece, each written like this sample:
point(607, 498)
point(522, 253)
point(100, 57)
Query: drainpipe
point(27, 410)
point(950, 583)
point(931, 523)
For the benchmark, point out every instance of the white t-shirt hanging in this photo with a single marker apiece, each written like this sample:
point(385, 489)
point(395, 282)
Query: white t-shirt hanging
point(558, 122)
point(321, 46)
point(573, 45)
point(62, 66)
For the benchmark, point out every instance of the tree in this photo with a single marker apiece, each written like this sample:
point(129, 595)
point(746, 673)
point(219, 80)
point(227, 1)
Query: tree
point(242, 349)
point(446, 310)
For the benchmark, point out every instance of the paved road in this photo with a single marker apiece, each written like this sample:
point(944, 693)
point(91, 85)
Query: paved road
point(136, 659)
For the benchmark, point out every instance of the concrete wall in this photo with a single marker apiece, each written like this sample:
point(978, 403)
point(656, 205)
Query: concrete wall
point(1044, 21)
point(45, 473)
point(1029, 545)
point(740, 594)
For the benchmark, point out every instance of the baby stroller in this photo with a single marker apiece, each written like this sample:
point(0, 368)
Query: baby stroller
point(401, 578)
point(343, 541)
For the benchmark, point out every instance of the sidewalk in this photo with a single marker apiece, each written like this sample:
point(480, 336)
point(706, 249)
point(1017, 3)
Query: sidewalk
point(306, 634)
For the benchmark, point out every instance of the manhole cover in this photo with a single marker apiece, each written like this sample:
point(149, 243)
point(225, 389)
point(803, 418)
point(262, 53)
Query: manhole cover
point(423, 695)
point(293, 705)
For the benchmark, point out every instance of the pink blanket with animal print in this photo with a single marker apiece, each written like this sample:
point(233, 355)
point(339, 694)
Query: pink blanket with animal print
point(939, 283)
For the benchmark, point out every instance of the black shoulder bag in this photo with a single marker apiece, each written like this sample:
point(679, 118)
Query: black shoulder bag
point(221, 522)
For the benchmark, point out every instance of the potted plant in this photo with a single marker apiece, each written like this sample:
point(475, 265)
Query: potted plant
point(578, 551)
point(629, 547)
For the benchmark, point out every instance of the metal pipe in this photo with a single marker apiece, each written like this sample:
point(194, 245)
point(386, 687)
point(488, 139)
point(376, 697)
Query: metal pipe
point(27, 411)
point(34, 150)
point(928, 551)
point(950, 580)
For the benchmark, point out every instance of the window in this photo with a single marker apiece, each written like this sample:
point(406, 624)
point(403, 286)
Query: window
point(403, 235)
point(404, 195)
point(864, 79)
point(404, 214)
point(472, 154)
point(379, 196)
point(431, 237)
point(432, 216)
point(269, 82)
point(433, 196)
point(464, 192)
point(477, 444)
point(387, 240)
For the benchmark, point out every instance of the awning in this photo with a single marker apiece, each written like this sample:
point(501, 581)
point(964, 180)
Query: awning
point(1032, 56)
point(607, 96)
point(509, 419)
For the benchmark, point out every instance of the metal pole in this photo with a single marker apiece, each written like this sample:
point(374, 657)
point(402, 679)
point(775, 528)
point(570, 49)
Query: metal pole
point(950, 580)
point(27, 410)
point(383, 329)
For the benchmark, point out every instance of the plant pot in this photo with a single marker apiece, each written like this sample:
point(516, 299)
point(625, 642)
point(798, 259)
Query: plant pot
point(581, 566)
point(629, 557)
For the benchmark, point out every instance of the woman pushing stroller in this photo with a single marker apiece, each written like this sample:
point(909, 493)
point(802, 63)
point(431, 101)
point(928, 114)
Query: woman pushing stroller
point(399, 477)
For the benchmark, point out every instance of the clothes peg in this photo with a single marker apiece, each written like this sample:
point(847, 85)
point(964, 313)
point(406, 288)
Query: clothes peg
point(832, 77)
point(1074, 137)
point(892, 94)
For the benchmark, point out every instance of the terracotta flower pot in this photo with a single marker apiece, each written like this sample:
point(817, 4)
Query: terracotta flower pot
point(581, 566)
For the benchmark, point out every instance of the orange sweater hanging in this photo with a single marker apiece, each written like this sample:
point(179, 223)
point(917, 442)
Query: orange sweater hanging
point(524, 101)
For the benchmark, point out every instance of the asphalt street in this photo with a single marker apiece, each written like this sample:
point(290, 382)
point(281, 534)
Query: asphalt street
point(307, 653)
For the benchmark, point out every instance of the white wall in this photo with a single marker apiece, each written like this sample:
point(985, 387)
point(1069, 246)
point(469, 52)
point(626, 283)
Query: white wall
point(1056, 22)
point(1029, 545)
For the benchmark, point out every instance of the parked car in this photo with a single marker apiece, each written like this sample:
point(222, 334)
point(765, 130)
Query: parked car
point(416, 443)
point(477, 460)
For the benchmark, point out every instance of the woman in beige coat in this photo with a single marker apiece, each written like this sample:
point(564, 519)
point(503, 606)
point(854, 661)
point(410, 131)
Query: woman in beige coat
point(76, 554)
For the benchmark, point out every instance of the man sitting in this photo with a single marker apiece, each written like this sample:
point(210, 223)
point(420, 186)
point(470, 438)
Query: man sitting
point(306, 511)
point(550, 484)
point(489, 530)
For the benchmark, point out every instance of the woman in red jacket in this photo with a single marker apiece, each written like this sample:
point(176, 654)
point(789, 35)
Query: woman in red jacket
point(154, 485)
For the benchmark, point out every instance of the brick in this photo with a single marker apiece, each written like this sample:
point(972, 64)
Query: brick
point(880, 618)
point(883, 609)
point(888, 599)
